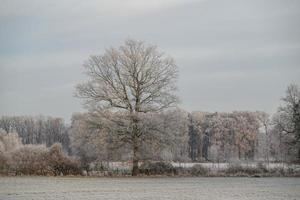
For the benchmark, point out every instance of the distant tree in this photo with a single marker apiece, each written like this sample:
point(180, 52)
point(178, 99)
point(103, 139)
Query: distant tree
point(177, 123)
point(246, 130)
point(167, 136)
point(134, 79)
point(231, 135)
point(9, 141)
point(196, 148)
point(88, 143)
point(265, 123)
point(37, 130)
point(287, 118)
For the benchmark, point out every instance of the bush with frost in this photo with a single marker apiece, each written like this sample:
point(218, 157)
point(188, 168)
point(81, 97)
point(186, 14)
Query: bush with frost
point(30, 159)
point(60, 163)
point(33, 159)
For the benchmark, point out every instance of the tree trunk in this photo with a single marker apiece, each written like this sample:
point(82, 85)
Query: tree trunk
point(135, 160)
point(298, 154)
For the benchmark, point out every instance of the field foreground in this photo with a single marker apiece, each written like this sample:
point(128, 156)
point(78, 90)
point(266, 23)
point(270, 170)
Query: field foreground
point(26, 188)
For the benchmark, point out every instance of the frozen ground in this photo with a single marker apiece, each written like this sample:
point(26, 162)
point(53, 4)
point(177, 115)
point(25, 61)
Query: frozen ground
point(28, 188)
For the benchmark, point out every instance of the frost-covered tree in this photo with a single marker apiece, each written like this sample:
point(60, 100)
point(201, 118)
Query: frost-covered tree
point(246, 130)
point(287, 118)
point(265, 139)
point(8, 143)
point(231, 135)
point(197, 146)
point(178, 134)
point(87, 142)
point(167, 137)
point(133, 79)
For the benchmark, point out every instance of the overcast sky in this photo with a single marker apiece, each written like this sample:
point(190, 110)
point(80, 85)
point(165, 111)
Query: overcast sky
point(232, 55)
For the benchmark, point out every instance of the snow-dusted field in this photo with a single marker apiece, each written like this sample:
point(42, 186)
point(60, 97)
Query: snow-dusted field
point(28, 188)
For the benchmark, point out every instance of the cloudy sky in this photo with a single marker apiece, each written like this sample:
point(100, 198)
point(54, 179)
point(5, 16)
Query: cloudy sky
point(232, 55)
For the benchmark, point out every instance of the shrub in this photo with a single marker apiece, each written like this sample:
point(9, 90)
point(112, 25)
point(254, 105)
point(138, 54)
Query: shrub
point(4, 166)
point(30, 159)
point(199, 170)
point(39, 160)
point(262, 167)
point(157, 168)
point(34, 159)
point(60, 163)
point(237, 169)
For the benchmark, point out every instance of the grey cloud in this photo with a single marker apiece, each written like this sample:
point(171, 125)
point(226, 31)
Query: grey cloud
point(232, 55)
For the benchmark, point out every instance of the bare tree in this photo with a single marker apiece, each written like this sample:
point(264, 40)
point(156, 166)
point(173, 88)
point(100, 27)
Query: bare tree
point(135, 78)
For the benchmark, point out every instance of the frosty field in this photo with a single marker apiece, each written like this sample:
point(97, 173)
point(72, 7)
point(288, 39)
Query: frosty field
point(26, 188)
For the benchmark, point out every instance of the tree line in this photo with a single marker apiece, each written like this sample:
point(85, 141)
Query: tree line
point(37, 129)
point(172, 135)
